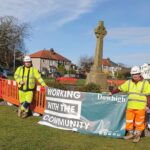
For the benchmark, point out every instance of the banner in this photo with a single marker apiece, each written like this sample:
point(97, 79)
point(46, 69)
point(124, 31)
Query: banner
point(94, 113)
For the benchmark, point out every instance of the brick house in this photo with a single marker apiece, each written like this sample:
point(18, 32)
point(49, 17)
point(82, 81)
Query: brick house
point(106, 65)
point(110, 67)
point(49, 60)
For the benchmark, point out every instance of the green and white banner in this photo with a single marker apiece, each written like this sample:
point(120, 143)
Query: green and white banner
point(93, 113)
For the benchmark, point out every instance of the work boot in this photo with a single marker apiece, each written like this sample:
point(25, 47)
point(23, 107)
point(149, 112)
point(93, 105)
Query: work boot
point(136, 138)
point(129, 136)
point(19, 112)
point(148, 126)
point(24, 114)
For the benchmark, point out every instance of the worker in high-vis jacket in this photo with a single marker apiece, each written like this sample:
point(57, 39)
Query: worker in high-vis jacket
point(26, 77)
point(139, 91)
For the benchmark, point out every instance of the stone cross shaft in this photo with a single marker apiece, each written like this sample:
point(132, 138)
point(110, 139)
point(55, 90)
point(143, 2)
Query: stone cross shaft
point(100, 32)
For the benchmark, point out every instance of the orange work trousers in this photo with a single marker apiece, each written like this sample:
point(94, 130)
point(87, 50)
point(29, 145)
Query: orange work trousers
point(135, 119)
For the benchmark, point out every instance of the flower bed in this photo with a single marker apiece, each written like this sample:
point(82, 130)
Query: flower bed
point(67, 80)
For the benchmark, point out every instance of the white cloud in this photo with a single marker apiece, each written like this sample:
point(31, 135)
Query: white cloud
point(130, 35)
point(30, 10)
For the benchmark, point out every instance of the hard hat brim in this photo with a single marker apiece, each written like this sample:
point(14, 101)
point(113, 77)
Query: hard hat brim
point(136, 74)
point(27, 61)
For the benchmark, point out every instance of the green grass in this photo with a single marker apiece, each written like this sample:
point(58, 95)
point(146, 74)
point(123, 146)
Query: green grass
point(81, 82)
point(27, 134)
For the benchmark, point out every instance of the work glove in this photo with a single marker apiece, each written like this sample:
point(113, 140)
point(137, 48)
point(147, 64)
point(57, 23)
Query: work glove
point(21, 82)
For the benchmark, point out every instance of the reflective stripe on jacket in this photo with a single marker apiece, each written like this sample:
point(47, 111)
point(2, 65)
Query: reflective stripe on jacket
point(29, 76)
point(137, 93)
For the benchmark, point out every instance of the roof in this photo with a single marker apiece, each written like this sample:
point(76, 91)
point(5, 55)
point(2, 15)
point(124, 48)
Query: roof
point(106, 62)
point(49, 54)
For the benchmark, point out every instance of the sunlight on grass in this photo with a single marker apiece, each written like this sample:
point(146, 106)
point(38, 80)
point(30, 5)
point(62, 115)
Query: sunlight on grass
point(27, 134)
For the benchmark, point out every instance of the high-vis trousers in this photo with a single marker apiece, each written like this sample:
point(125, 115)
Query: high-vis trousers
point(135, 119)
point(25, 98)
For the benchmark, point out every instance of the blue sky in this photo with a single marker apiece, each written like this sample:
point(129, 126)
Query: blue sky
point(68, 27)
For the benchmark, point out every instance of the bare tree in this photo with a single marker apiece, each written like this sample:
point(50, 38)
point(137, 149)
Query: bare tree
point(12, 35)
point(85, 63)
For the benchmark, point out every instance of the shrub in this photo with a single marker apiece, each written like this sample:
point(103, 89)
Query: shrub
point(123, 74)
point(56, 85)
point(91, 87)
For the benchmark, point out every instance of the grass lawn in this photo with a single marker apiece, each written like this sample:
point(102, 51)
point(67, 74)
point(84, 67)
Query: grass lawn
point(81, 82)
point(27, 134)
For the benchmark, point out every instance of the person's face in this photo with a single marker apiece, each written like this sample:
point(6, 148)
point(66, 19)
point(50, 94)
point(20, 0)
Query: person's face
point(136, 77)
point(27, 64)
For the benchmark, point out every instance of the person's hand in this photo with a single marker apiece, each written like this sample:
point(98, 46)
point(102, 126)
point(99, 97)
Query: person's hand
point(21, 82)
point(146, 109)
point(46, 86)
point(43, 88)
point(110, 94)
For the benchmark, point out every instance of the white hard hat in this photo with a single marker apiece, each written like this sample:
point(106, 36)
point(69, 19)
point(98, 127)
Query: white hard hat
point(135, 70)
point(27, 59)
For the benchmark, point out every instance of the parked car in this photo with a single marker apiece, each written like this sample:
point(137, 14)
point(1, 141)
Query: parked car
point(44, 72)
point(70, 75)
point(3, 73)
point(80, 76)
point(57, 74)
point(1, 70)
point(9, 72)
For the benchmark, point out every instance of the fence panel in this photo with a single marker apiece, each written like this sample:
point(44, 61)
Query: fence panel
point(9, 92)
point(0, 88)
point(38, 103)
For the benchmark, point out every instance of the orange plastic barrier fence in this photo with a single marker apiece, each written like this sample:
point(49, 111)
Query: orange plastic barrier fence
point(38, 104)
point(0, 88)
point(67, 80)
point(9, 93)
point(115, 82)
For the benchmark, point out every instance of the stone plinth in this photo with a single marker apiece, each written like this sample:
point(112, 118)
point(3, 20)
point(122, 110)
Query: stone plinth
point(97, 78)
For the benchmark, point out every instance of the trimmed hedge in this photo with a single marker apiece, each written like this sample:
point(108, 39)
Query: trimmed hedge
point(91, 87)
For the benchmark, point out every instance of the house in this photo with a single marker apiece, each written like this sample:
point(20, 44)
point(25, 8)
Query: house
point(49, 60)
point(145, 71)
point(108, 65)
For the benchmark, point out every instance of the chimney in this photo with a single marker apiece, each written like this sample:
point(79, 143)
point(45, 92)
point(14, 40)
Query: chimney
point(51, 49)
